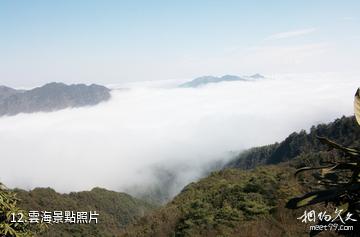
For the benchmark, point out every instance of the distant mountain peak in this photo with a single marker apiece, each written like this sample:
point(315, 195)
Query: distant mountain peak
point(50, 97)
point(257, 76)
point(200, 81)
point(231, 78)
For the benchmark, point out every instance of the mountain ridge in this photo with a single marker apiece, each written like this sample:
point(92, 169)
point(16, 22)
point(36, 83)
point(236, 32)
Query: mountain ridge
point(201, 81)
point(299, 142)
point(50, 97)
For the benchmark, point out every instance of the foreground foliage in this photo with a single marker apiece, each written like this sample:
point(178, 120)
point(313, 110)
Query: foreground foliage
point(116, 210)
point(8, 206)
point(342, 186)
point(340, 181)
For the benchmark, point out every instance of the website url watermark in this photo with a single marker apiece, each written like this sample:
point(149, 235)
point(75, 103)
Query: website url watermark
point(337, 221)
point(331, 227)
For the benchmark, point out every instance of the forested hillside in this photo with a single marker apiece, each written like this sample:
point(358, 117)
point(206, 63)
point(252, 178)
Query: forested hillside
point(116, 210)
point(344, 131)
point(241, 200)
point(227, 203)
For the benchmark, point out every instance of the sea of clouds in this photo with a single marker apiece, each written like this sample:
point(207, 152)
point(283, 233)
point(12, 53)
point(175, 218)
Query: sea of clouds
point(122, 143)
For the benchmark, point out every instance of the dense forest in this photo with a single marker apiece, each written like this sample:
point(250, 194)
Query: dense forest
point(115, 210)
point(344, 131)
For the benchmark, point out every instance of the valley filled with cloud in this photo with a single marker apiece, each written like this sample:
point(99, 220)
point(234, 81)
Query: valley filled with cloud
point(143, 132)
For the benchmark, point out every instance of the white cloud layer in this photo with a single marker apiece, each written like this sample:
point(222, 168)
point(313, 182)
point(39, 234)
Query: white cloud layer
point(118, 143)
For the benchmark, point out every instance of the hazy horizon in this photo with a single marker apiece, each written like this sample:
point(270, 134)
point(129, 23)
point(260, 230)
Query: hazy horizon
point(111, 42)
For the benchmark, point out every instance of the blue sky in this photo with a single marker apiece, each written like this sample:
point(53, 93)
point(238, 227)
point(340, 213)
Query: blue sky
point(119, 41)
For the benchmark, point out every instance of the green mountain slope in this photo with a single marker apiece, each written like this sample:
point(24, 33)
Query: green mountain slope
point(245, 201)
point(116, 210)
point(231, 202)
point(344, 131)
